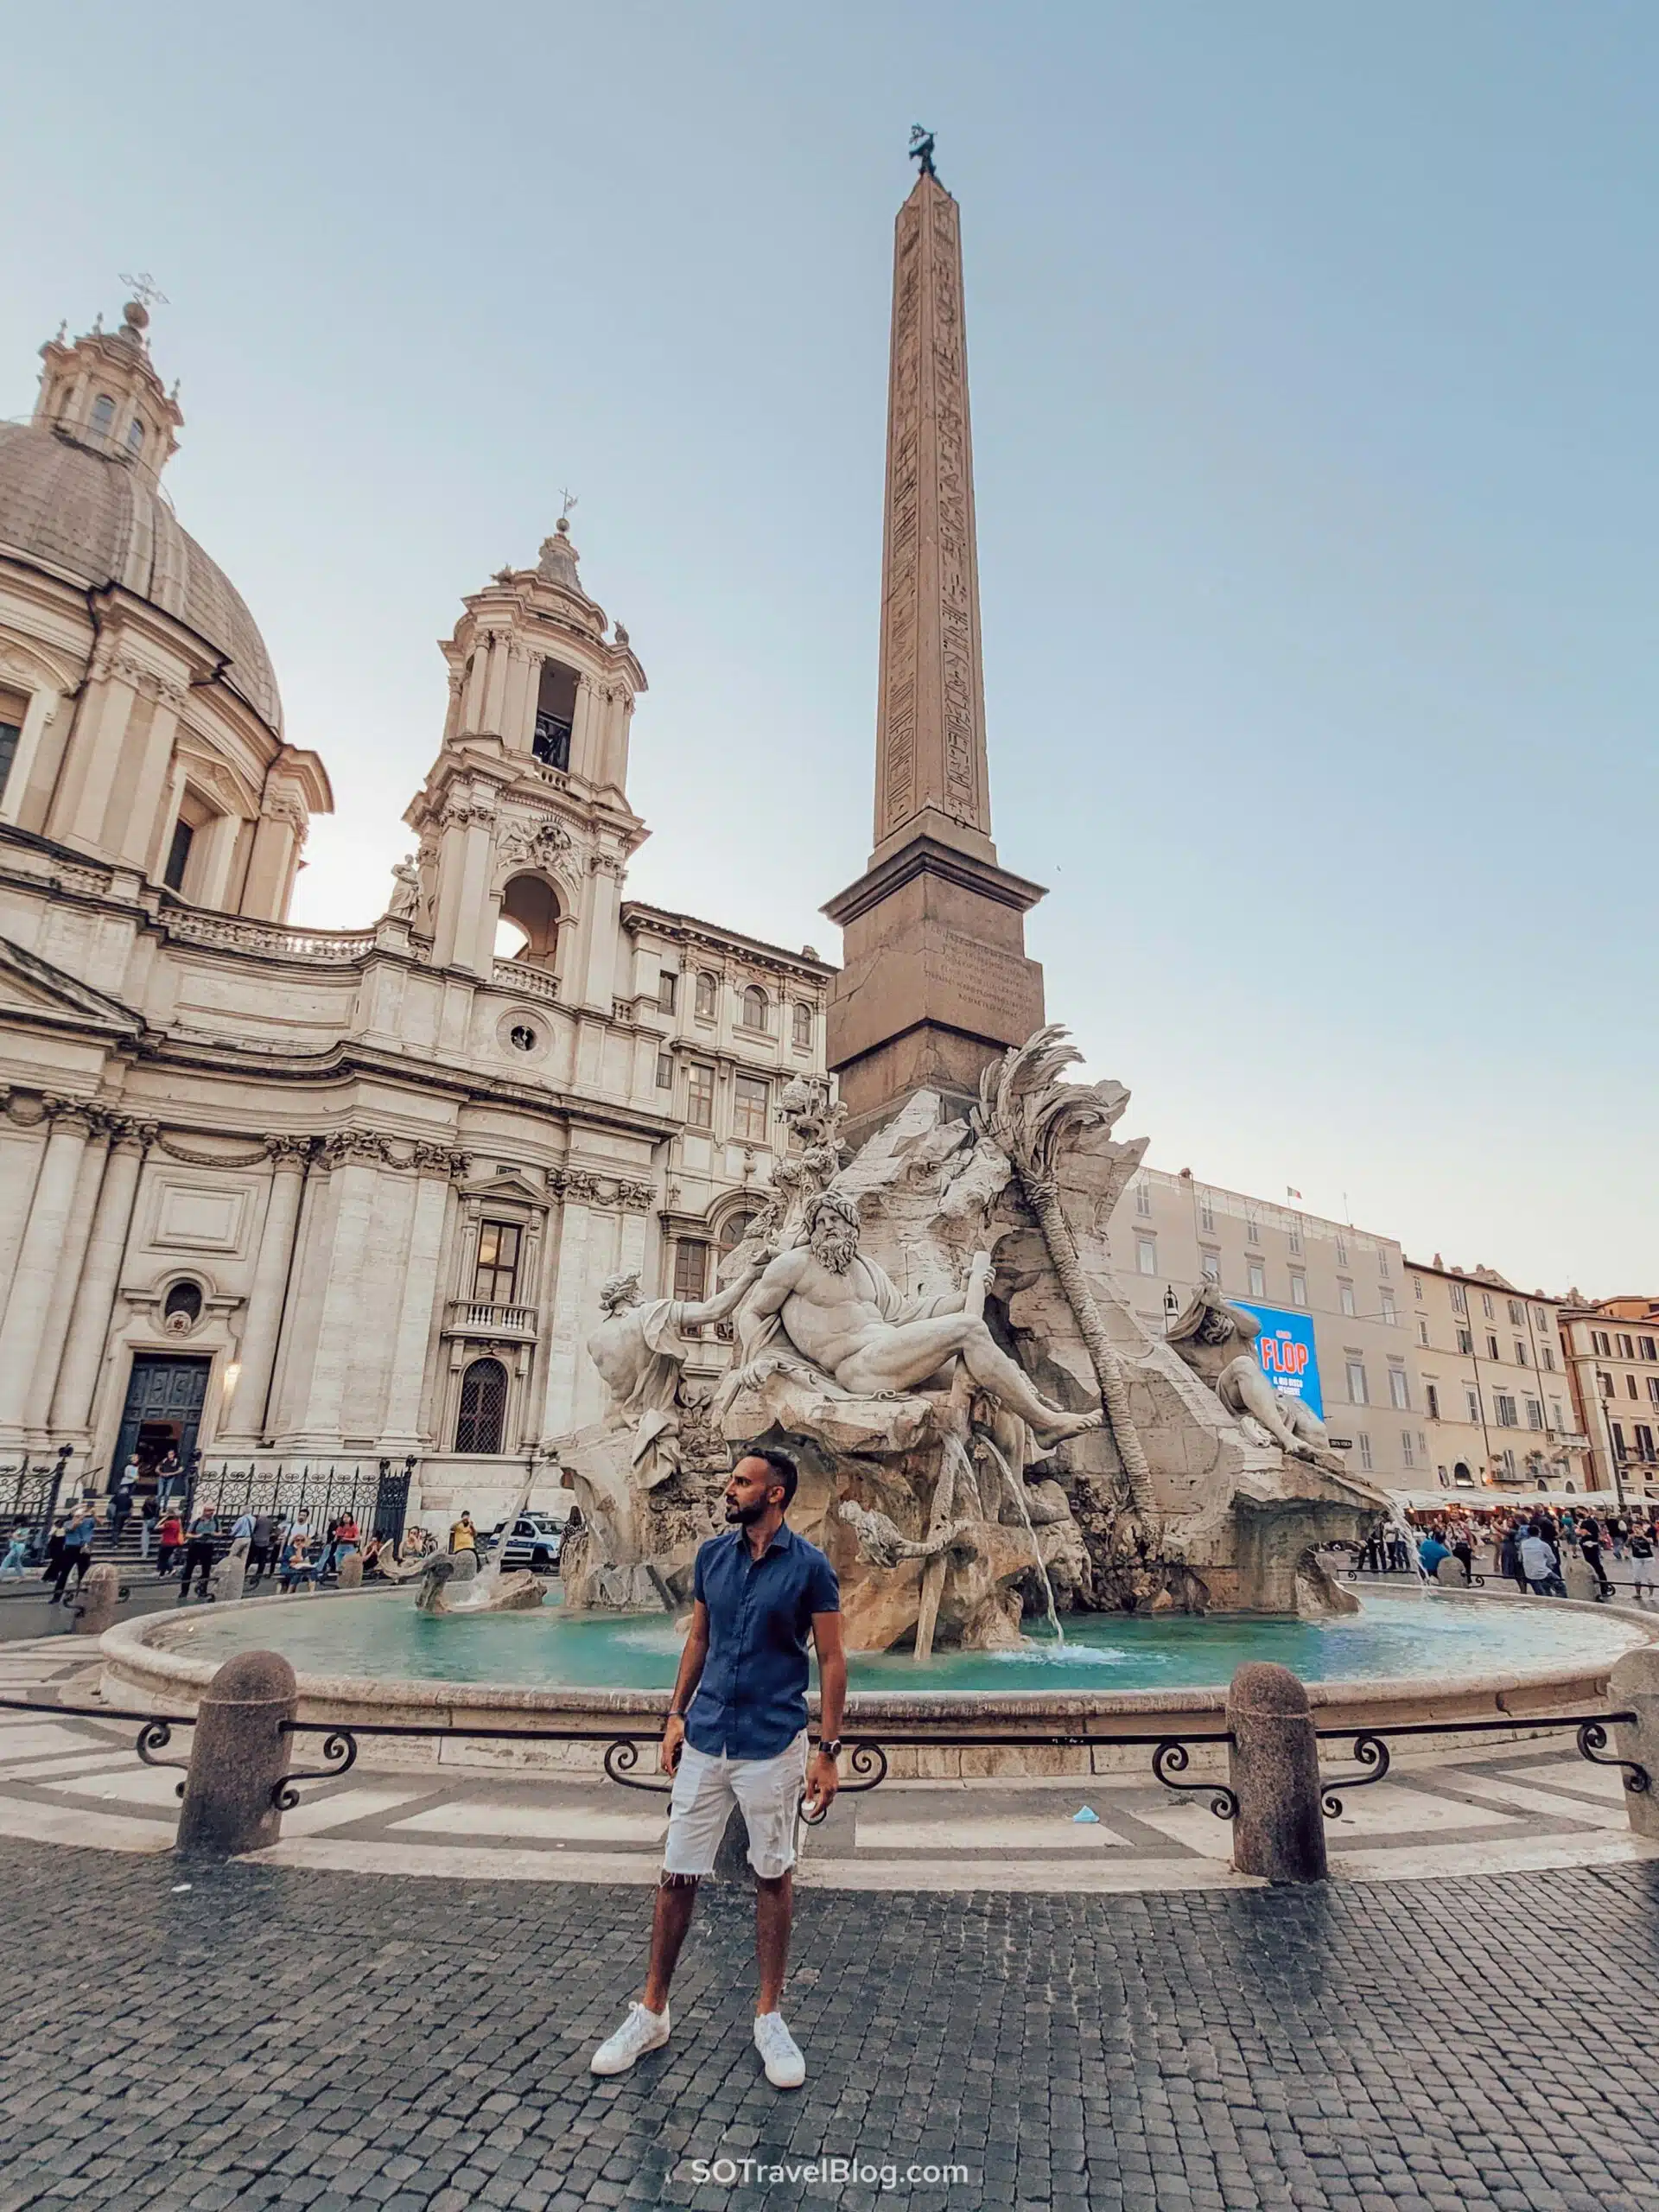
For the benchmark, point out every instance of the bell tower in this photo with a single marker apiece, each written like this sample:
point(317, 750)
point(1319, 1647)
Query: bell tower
point(936, 983)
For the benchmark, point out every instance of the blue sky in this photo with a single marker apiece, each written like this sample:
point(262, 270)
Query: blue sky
point(1313, 359)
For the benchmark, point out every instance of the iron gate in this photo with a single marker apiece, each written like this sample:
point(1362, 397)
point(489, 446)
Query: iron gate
point(374, 1492)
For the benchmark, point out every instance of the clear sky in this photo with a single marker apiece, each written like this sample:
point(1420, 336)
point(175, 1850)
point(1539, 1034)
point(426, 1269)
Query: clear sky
point(1313, 353)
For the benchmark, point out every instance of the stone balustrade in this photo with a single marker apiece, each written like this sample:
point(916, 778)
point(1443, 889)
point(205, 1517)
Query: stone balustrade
point(476, 1317)
point(272, 939)
point(532, 982)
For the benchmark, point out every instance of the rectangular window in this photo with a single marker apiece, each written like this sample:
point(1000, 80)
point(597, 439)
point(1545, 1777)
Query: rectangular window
point(691, 1268)
point(1649, 1348)
point(1431, 1392)
point(1466, 1342)
point(1626, 1346)
point(1503, 1408)
point(1146, 1254)
point(1619, 1439)
point(1252, 1229)
point(1357, 1393)
point(664, 1071)
point(1604, 1384)
point(1294, 1232)
point(1298, 1288)
point(1520, 1351)
point(667, 987)
point(13, 706)
point(1547, 1357)
point(1416, 1286)
point(1534, 1414)
point(707, 996)
point(1207, 1213)
point(803, 1018)
point(1506, 1461)
point(1460, 1303)
point(1210, 1264)
point(1143, 1200)
point(1474, 1398)
point(1515, 1314)
point(1405, 1448)
point(1258, 1280)
point(1399, 1391)
point(1600, 1342)
point(1345, 1296)
point(1629, 1386)
point(749, 1110)
point(1491, 1345)
point(1486, 1304)
point(178, 856)
point(495, 1277)
point(1342, 1250)
point(1653, 1388)
point(700, 1096)
point(1383, 1260)
point(1644, 1441)
point(1422, 1330)
point(1557, 1418)
point(1388, 1314)
point(1365, 1461)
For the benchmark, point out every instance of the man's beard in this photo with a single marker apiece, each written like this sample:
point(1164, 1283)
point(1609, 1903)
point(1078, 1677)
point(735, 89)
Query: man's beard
point(744, 1516)
point(836, 1248)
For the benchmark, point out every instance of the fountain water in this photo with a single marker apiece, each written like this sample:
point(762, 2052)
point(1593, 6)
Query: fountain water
point(1018, 1490)
point(483, 1593)
point(1397, 1525)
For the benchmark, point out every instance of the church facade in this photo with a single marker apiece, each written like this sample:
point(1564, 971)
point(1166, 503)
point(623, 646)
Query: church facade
point(272, 1194)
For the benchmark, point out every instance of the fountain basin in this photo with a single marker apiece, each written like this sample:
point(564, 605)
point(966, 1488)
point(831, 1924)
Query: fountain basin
point(360, 1659)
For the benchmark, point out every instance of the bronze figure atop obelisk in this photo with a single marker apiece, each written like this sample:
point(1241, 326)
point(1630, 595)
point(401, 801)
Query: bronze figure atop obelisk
point(936, 983)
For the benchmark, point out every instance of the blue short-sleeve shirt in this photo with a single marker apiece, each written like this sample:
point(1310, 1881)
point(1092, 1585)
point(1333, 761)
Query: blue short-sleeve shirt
point(751, 1702)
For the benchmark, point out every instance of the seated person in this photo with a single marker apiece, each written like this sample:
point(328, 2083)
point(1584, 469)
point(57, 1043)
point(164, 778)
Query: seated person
point(298, 1561)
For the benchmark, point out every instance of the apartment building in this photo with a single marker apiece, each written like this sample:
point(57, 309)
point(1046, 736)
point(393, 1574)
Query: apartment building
point(1612, 1355)
point(1339, 1290)
point(1497, 1395)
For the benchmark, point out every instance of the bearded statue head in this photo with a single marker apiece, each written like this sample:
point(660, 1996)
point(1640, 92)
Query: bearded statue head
point(618, 1292)
point(832, 1229)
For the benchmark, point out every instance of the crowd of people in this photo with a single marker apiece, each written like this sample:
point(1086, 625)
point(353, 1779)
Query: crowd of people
point(1528, 1548)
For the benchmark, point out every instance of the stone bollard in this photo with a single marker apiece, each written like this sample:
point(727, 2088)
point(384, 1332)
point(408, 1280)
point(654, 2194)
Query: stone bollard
point(1274, 1768)
point(227, 1583)
point(351, 1571)
point(466, 1565)
point(1633, 1686)
point(100, 1593)
point(239, 1757)
point(1450, 1572)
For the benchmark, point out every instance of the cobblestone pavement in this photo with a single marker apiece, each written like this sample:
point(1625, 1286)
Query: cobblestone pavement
point(1496, 1808)
point(271, 2038)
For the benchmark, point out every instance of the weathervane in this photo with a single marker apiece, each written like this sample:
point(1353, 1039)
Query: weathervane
point(145, 289)
point(571, 500)
point(921, 149)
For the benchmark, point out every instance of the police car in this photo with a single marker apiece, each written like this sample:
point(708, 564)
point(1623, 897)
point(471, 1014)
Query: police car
point(534, 1542)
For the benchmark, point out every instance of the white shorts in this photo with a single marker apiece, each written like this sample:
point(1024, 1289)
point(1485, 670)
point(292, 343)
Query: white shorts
point(705, 1790)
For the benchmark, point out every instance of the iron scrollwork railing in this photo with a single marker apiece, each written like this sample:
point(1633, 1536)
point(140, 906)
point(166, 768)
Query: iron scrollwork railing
point(1592, 1742)
point(1172, 1757)
point(339, 1753)
point(1373, 1754)
point(1372, 1749)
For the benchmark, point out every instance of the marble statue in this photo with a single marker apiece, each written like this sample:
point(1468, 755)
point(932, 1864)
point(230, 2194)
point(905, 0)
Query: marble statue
point(406, 893)
point(1218, 1342)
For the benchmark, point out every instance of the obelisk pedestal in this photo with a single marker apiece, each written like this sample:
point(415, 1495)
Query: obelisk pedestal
point(935, 983)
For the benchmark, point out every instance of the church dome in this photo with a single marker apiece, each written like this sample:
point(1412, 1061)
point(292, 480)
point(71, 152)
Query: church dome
point(102, 520)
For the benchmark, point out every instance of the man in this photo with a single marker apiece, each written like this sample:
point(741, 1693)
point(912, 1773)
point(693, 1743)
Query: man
point(76, 1554)
point(199, 1554)
point(1539, 1563)
point(261, 1549)
point(1430, 1552)
point(463, 1537)
point(1589, 1552)
point(1641, 1544)
point(848, 1318)
point(736, 1734)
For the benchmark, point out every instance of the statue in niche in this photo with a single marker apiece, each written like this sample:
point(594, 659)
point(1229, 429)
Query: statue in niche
point(406, 890)
point(1218, 1342)
point(843, 1315)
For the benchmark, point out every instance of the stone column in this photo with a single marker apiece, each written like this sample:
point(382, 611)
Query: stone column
point(24, 1327)
point(356, 1174)
point(422, 1293)
point(569, 1321)
point(517, 709)
point(1274, 1768)
point(71, 1259)
point(597, 981)
point(141, 811)
point(262, 1327)
point(464, 931)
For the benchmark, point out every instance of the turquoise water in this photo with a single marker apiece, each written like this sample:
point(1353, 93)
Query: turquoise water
point(383, 1638)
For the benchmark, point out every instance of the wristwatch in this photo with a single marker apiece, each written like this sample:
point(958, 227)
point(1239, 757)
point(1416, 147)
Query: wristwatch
point(830, 1747)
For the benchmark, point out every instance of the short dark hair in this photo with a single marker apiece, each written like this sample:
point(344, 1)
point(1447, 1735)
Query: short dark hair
point(784, 1471)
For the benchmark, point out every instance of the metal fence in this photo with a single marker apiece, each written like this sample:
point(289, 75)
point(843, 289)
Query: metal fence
point(374, 1492)
point(29, 1497)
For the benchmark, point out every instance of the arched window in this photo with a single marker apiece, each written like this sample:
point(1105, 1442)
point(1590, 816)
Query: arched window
point(707, 994)
point(755, 1007)
point(803, 1027)
point(483, 1407)
point(103, 414)
point(183, 1307)
point(529, 927)
point(135, 437)
point(734, 1229)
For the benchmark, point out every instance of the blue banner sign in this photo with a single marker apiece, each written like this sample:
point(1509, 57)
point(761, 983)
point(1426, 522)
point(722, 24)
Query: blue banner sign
point(1286, 1350)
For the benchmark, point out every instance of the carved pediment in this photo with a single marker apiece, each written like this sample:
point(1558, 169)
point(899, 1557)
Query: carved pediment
point(509, 1185)
point(33, 987)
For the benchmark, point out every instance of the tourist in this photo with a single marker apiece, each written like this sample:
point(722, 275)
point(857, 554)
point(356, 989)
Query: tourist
point(199, 1554)
point(345, 1538)
point(298, 1565)
point(76, 1555)
point(169, 1536)
point(1541, 1565)
point(148, 1513)
point(1430, 1552)
point(260, 1554)
point(121, 1510)
point(1508, 1556)
point(1641, 1544)
point(463, 1537)
point(17, 1559)
point(736, 1734)
point(1589, 1552)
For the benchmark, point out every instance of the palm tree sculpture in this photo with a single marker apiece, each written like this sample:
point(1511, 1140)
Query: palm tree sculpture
point(1034, 1117)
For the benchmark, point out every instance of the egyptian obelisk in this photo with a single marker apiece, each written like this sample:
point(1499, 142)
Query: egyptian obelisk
point(936, 982)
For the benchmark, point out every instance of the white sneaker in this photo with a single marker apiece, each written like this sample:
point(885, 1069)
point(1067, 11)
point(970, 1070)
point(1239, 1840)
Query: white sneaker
point(640, 2032)
point(785, 2068)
